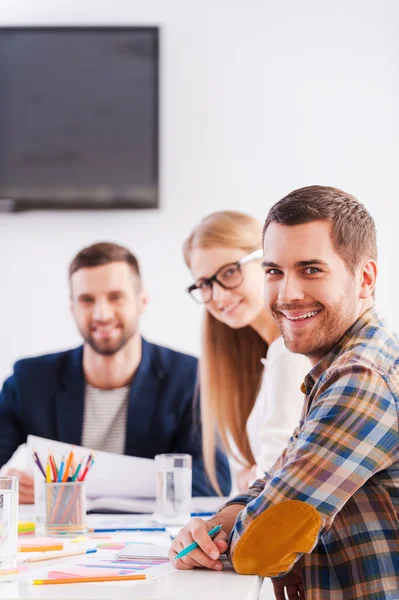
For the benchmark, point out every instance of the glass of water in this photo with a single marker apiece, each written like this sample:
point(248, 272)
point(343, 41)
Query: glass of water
point(8, 522)
point(174, 476)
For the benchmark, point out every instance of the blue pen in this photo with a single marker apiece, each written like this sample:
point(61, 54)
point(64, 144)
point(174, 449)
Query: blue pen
point(194, 545)
point(116, 529)
point(203, 514)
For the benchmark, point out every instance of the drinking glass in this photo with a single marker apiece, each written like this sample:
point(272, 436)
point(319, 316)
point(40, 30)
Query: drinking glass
point(174, 476)
point(8, 522)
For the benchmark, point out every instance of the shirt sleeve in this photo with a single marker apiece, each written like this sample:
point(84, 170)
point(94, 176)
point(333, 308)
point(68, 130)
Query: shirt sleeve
point(282, 401)
point(349, 434)
point(11, 431)
point(259, 485)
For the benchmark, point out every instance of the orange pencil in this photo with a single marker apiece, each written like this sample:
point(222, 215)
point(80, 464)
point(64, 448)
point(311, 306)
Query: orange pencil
point(68, 465)
point(89, 579)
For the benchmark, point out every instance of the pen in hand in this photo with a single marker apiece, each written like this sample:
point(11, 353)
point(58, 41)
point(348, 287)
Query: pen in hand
point(194, 545)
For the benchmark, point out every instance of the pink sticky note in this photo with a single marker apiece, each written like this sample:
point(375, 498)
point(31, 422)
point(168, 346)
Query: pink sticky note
point(39, 542)
point(83, 572)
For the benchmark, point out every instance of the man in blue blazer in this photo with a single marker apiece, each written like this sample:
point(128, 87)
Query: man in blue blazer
point(117, 392)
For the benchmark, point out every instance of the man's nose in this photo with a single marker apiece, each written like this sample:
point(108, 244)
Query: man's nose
point(290, 289)
point(102, 311)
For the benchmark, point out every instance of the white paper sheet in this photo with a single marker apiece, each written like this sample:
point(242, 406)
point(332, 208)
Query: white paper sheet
point(111, 475)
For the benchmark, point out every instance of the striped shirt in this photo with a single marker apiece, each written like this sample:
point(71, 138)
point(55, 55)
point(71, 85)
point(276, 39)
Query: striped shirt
point(332, 499)
point(105, 419)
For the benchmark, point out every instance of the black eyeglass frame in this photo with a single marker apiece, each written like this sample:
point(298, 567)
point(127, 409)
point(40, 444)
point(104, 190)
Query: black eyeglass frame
point(255, 255)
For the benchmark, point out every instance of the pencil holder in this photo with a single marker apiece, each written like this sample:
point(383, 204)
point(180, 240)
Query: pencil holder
point(65, 508)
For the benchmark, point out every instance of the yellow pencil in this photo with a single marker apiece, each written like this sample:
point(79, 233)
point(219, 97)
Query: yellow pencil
point(89, 579)
point(48, 472)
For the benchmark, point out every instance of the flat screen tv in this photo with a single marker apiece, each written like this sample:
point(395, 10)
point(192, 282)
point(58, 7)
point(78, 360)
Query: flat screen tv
point(79, 117)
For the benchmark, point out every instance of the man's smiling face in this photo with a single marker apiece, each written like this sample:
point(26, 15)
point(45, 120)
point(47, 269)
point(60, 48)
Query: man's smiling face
point(308, 288)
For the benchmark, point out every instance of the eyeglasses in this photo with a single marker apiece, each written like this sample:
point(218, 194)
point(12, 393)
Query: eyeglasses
point(227, 276)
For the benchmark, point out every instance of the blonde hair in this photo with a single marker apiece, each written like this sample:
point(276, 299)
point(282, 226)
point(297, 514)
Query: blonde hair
point(230, 366)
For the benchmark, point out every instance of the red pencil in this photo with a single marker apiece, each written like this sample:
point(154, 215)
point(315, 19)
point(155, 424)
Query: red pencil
point(53, 467)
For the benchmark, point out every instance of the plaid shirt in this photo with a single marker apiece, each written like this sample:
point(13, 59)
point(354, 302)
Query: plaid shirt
point(342, 463)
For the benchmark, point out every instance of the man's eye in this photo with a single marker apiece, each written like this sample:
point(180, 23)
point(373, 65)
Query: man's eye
point(312, 270)
point(273, 272)
point(86, 300)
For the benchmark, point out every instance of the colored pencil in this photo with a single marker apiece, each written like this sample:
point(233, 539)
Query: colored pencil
point(194, 545)
point(61, 471)
point(38, 462)
point(48, 473)
point(58, 555)
point(89, 579)
point(89, 464)
point(75, 475)
point(68, 465)
point(53, 466)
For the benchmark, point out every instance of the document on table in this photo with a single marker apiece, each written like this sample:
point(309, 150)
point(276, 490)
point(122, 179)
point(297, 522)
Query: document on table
point(116, 482)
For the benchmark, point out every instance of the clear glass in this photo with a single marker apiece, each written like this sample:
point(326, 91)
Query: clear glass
point(174, 477)
point(65, 508)
point(9, 487)
point(39, 495)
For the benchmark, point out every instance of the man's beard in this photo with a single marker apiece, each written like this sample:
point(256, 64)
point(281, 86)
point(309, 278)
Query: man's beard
point(333, 323)
point(109, 348)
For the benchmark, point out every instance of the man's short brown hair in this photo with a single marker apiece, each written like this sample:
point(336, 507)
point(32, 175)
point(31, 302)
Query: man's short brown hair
point(353, 232)
point(103, 253)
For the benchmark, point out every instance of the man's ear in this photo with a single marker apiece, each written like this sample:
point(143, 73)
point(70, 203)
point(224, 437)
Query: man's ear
point(368, 279)
point(143, 300)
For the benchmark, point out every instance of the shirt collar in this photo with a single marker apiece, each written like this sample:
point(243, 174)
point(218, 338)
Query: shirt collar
point(370, 316)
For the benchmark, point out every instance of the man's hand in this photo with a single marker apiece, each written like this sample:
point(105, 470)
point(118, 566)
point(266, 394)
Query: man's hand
point(293, 583)
point(209, 550)
point(26, 495)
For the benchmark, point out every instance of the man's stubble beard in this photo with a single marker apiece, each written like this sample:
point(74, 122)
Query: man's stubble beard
point(119, 344)
point(324, 338)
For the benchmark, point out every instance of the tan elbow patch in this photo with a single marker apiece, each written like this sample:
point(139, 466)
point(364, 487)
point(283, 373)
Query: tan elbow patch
point(270, 544)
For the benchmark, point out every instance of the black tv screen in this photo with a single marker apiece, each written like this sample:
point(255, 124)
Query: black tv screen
point(79, 117)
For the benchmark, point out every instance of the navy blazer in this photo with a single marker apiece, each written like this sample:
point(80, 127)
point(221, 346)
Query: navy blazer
point(45, 397)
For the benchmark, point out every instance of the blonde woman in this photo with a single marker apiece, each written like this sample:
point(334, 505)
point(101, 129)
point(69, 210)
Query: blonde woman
point(250, 383)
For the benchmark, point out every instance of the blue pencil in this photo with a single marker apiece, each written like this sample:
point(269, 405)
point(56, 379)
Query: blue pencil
point(116, 529)
point(61, 471)
point(194, 545)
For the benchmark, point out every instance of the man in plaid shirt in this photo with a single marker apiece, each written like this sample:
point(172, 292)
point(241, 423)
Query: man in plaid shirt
point(323, 523)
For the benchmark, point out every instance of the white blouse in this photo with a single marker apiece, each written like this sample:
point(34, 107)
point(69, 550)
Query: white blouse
point(278, 406)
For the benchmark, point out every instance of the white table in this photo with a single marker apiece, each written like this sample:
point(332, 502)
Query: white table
point(180, 585)
point(177, 585)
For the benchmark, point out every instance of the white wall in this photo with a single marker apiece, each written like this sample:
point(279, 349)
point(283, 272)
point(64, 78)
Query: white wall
point(258, 98)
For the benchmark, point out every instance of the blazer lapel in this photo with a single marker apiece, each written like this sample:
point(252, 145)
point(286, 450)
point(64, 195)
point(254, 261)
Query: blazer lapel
point(143, 397)
point(69, 399)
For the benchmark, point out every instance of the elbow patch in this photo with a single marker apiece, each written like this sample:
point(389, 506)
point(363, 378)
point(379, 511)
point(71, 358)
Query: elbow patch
point(270, 544)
